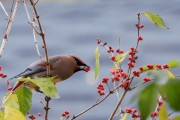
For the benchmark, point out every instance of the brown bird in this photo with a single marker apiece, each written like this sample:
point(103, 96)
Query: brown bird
point(61, 66)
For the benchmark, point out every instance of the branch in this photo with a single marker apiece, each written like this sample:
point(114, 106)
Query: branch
point(47, 99)
point(32, 22)
point(3, 9)
point(9, 25)
point(42, 36)
point(97, 103)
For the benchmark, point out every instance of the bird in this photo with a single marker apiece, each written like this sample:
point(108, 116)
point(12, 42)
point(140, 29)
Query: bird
point(61, 67)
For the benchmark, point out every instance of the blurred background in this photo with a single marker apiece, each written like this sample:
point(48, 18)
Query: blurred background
point(72, 26)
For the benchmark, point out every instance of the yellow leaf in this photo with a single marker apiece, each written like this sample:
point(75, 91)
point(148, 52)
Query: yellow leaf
point(163, 113)
point(119, 59)
point(97, 64)
point(11, 101)
point(13, 114)
point(1, 115)
point(170, 74)
point(125, 116)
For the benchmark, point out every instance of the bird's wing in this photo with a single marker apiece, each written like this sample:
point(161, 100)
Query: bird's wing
point(30, 71)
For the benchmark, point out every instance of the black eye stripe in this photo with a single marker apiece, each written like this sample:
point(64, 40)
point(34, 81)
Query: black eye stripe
point(78, 62)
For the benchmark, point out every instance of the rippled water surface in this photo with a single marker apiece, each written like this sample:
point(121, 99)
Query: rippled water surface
point(73, 28)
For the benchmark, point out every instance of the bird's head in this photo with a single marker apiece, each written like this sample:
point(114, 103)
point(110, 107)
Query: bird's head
point(80, 65)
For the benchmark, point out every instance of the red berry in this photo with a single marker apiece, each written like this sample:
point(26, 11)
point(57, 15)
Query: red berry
point(132, 48)
point(1, 74)
point(105, 80)
point(140, 38)
point(154, 114)
point(10, 88)
point(136, 115)
point(150, 66)
point(134, 110)
point(136, 73)
point(125, 84)
point(112, 71)
point(124, 75)
point(130, 64)
point(119, 51)
point(146, 79)
point(117, 78)
point(66, 112)
point(102, 93)
point(128, 110)
point(63, 115)
point(142, 26)
point(160, 103)
point(137, 25)
point(0, 68)
point(98, 41)
point(165, 66)
point(113, 58)
point(141, 69)
point(39, 114)
point(87, 69)
point(159, 66)
point(43, 46)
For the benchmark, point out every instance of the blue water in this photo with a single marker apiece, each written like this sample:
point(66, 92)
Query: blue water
point(73, 28)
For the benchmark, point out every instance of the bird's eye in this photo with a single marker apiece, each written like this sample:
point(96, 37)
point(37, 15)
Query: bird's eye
point(78, 63)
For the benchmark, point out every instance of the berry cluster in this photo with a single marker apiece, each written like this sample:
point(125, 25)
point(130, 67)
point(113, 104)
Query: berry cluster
point(154, 67)
point(100, 89)
point(132, 57)
point(65, 114)
point(133, 112)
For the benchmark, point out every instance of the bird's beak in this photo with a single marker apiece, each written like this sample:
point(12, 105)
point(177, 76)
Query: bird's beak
point(85, 68)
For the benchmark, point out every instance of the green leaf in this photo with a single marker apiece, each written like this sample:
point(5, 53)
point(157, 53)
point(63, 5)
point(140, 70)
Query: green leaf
point(24, 96)
point(11, 101)
point(156, 19)
point(1, 115)
point(170, 74)
point(46, 86)
point(163, 113)
point(120, 58)
point(172, 93)
point(125, 116)
point(97, 64)
point(147, 100)
point(173, 63)
point(13, 114)
point(176, 118)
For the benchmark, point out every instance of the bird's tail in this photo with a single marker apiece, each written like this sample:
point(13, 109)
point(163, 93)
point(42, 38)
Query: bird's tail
point(20, 74)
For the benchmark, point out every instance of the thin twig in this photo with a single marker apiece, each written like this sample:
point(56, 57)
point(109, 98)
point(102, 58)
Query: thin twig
point(42, 36)
point(3, 9)
point(47, 99)
point(32, 22)
point(97, 103)
point(9, 25)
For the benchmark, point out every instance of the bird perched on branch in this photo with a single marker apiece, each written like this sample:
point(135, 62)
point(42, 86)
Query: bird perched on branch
point(61, 66)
